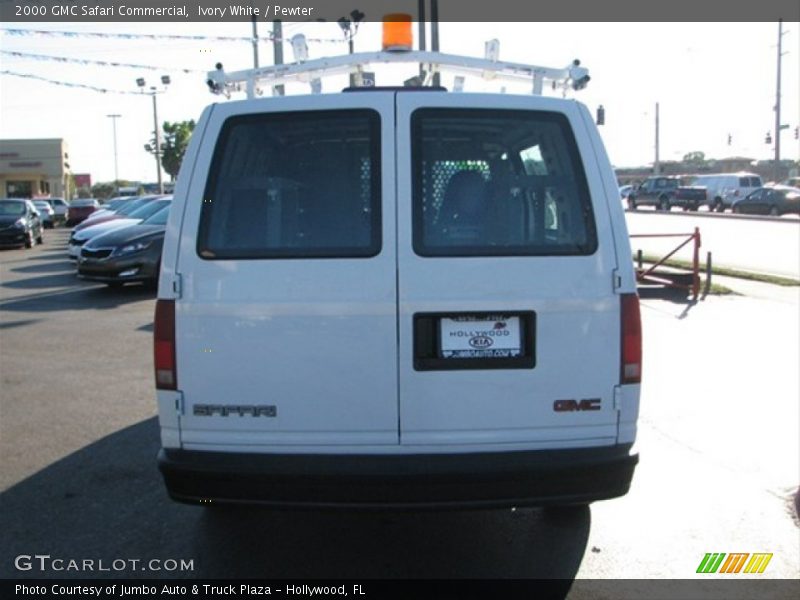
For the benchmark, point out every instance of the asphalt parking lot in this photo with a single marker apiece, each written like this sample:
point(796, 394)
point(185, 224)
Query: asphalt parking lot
point(78, 437)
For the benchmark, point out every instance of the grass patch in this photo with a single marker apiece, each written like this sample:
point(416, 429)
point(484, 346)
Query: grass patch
point(717, 289)
point(724, 271)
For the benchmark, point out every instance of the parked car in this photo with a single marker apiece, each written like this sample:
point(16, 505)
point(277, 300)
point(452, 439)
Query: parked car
point(80, 209)
point(80, 237)
point(723, 189)
point(46, 213)
point(108, 208)
point(60, 207)
point(655, 191)
point(20, 224)
point(625, 191)
point(776, 201)
point(126, 255)
point(125, 210)
point(791, 182)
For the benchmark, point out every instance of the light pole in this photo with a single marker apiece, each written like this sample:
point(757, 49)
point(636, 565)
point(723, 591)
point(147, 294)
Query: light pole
point(350, 29)
point(165, 80)
point(116, 171)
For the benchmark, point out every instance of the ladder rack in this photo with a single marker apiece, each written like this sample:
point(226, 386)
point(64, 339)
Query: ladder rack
point(572, 76)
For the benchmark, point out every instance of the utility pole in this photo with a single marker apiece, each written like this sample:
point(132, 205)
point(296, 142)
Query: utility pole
point(277, 51)
point(657, 164)
point(778, 126)
point(116, 171)
point(422, 41)
point(435, 36)
point(255, 42)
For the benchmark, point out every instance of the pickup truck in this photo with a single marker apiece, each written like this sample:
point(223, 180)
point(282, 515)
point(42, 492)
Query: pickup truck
point(690, 197)
point(655, 191)
point(666, 192)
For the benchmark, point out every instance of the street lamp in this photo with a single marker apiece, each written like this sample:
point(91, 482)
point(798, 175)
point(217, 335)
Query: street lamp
point(116, 171)
point(165, 80)
point(349, 28)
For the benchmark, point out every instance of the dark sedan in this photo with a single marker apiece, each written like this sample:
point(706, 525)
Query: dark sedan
point(80, 209)
point(131, 254)
point(775, 201)
point(20, 224)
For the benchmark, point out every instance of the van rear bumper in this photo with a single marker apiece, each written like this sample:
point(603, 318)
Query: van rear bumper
point(501, 479)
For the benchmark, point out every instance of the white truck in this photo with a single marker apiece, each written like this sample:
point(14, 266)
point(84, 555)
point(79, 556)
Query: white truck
point(397, 297)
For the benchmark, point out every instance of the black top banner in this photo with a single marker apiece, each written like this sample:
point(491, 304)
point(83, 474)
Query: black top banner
point(193, 11)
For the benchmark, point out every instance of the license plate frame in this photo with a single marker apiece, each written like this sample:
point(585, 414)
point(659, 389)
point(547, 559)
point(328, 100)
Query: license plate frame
point(431, 354)
point(490, 336)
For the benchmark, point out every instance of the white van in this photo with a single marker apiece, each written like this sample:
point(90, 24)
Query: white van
point(723, 189)
point(397, 297)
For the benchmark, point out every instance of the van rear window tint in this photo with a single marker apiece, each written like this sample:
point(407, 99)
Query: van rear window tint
point(294, 185)
point(498, 183)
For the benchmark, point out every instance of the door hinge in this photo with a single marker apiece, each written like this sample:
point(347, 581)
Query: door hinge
point(177, 285)
point(179, 403)
point(616, 279)
point(617, 398)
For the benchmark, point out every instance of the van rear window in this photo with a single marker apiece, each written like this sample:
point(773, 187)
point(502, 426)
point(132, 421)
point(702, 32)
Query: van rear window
point(294, 185)
point(498, 183)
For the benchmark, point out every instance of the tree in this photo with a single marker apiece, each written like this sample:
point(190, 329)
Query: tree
point(695, 158)
point(102, 191)
point(176, 138)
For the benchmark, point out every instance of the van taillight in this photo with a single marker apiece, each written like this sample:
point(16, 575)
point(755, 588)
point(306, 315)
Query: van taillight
point(164, 345)
point(631, 370)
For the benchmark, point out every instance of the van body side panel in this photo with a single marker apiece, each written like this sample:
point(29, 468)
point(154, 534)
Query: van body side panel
point(169, 402)
point(575, 338)
point(281, 349)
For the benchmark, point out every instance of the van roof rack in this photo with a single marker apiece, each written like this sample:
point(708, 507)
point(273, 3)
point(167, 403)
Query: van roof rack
point(573, 76)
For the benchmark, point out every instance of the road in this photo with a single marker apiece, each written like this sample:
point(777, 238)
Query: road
point(78, 437)
point(763, 245)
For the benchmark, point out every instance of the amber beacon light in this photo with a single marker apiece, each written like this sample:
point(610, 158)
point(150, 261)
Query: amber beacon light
point(397, 32)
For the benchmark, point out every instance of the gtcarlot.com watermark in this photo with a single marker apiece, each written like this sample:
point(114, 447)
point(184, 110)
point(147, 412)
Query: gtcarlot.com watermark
point(44, 563)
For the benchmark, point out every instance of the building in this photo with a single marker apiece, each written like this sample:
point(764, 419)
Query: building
point(30, 168)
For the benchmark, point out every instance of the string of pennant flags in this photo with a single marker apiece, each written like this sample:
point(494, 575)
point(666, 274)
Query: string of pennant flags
point(268, 37)
point(123, 36)
point(101, 63)
point(67, 83)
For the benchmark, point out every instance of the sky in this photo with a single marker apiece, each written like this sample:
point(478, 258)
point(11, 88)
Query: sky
point(710, 80)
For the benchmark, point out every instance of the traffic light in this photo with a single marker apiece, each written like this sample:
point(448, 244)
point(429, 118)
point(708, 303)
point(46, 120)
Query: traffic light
point(729, 139)
point(797, 133)
point(768, 139)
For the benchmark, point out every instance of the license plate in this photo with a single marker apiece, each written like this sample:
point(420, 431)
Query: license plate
point(495, 336)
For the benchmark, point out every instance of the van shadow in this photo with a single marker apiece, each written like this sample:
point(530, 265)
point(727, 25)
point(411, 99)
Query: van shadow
point(107, 501)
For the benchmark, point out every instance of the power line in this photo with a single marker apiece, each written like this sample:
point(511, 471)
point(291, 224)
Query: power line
point(102, 63)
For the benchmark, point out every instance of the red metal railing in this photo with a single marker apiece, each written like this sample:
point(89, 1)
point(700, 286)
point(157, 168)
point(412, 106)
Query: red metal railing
point(670, 279)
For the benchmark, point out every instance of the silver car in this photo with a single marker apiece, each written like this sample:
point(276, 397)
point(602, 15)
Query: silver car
point(46, 213)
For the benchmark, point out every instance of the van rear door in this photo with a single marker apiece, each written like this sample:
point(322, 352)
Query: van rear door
point(509, 323)
point(286, 325)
